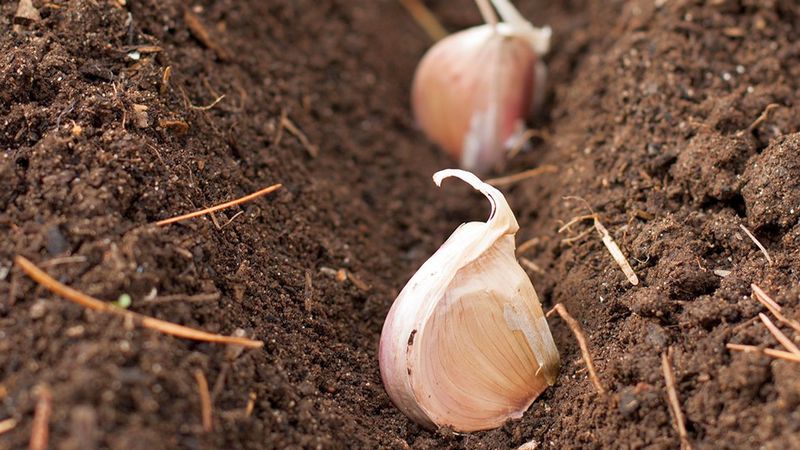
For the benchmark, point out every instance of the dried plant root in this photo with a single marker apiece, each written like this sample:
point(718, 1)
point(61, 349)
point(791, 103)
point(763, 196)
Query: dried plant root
point(216, 208)
point(763, 117)
point(581, 338)
point(765, 299)
point(779, 354)
point(778, 334)
point(7, 425)
point(40, 429)
point(89, 302)
point(757, 242)
point(608, 241)
point(425, 18)
point(205, 401)
point(773, 307)
point(616, 253)
point(674, 404)
point(527, 245)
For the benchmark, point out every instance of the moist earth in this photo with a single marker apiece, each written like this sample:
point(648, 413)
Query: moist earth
point(674, 121)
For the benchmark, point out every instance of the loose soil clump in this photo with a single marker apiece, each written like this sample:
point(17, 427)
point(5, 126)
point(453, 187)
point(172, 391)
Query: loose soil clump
point(676, 122)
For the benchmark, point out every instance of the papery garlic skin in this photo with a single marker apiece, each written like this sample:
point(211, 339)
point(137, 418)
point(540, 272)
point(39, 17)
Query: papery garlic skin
point(473, 90)
point(466, 343)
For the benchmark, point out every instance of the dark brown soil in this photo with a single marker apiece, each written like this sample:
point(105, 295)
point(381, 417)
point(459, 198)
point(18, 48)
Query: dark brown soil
point(649, 120)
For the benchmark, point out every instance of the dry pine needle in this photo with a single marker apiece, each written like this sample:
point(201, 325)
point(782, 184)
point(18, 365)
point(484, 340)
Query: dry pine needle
point(89, 302)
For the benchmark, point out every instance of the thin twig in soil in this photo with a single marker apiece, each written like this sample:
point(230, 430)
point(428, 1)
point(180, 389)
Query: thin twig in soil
point(569, 241)
point(146, 49)
point(251, 403)
point(758, 244)
point(764, 116)
point(357, 282)
point(121, 106)
point(63, 260)
point(765, 299)
point(779, 354)
point(158, 154)
point(231, 219)
point(774, 307)
point(287, 123)
point(425, 19)
point(616, 253)
point(205, 401)
point(200, 32)
point(607, 240)
point(575, 220)
point(674, 403)
point(40, 429)
point(165, 80)
point(276, 140)
point(517, 177)
point(214, 220)
point(209, 106)
point(161, 326)
point(527, 245)
point(530, 265)
point(7, 425)
point(581, 338)
point(63, 113)
point(778, 334)
point(221, 206)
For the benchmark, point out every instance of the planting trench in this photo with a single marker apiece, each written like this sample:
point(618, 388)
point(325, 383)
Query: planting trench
point(648, 119)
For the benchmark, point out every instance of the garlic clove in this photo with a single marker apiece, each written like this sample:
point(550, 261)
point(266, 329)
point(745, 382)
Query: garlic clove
point(466, 343)
point(473, 90)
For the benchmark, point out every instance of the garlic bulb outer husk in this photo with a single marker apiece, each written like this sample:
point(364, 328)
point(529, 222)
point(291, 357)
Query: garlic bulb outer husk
point(473, 90)
point(466, 343)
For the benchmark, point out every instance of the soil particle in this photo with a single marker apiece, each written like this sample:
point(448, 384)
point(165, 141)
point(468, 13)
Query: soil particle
point(711, 165)
point(772, 184)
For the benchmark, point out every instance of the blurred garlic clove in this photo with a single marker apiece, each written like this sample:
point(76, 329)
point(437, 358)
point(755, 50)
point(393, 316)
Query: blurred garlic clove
point(466, 343)
point(473, 90)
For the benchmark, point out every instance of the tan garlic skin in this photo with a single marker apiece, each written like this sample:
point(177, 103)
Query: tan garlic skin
point(473, 91)
point(466, 343)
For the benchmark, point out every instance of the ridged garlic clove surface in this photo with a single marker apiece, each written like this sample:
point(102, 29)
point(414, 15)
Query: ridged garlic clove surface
point(473, 90)
point(466, 343)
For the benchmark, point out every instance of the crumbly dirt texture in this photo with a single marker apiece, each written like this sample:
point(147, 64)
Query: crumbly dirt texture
point(658, 116)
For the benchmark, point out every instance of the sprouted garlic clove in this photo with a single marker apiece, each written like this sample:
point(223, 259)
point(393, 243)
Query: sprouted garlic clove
point(473, 90)
point(466, 343)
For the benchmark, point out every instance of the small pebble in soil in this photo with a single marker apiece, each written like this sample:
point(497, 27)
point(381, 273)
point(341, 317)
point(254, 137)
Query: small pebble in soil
point(39, 309)
point(55, 243)
point(628, 403)
point(75, 331)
